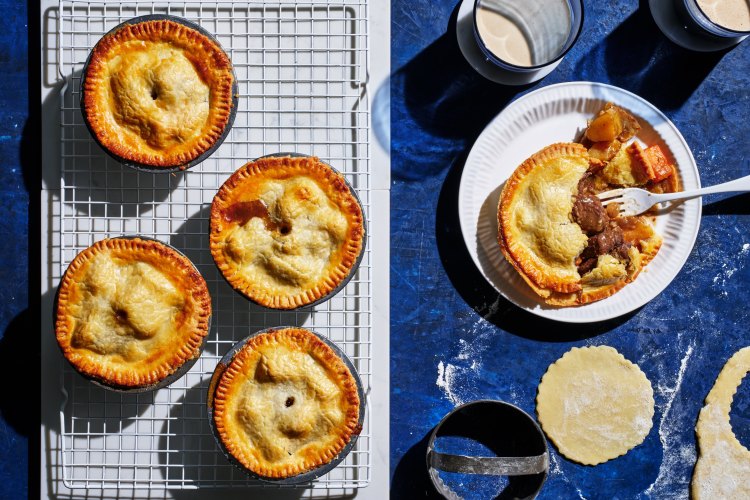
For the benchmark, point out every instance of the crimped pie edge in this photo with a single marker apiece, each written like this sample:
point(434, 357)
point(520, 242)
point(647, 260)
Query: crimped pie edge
point(556, 294)
point(334, 183)
point(221, 80)
point(196, 291)
point(541, 282)
point(232, 377)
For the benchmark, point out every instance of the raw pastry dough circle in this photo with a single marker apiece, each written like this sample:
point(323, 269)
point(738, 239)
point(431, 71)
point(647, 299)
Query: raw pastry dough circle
point(594, 404)
point(723, 466)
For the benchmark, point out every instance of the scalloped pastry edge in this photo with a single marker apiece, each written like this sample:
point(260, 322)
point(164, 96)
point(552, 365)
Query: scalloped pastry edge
point(542, 406)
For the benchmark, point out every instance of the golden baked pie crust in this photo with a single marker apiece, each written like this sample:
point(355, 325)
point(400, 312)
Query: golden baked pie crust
point(210, 65)
point(246, 185)
point(550, 164)
point(170, 349)
point(243, 373)
point(558, 283)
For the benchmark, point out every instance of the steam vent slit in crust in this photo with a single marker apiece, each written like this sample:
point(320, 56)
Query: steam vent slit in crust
point(157, 93)
point(286, 404)
point(131, 312)
point(554, 231)
point(286, 232)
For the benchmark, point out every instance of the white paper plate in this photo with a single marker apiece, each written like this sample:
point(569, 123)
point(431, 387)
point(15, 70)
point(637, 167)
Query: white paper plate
point(558, 113)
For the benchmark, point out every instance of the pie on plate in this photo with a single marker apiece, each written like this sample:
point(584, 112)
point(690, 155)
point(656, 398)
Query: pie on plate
point(568, 247)
point(157, 93)
point(285, 404)
point(286, 231)
point(131, 312)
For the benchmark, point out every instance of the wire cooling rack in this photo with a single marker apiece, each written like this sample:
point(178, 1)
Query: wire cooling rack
point(302, 72)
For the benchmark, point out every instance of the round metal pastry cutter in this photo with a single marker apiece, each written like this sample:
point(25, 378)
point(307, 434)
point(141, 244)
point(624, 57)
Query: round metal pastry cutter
point(514, 437)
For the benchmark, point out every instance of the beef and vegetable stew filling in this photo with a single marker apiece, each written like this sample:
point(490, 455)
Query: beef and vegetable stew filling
point(605, 235)
point(616, 166)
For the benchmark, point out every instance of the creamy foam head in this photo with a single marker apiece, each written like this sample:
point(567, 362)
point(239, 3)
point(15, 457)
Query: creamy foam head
point(730, 14)
point(524, 33)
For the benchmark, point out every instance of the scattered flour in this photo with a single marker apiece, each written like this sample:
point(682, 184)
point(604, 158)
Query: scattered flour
point(556, 470)
point(465, 350)
point(726, 273)
point(671, 457)
point(492, 309)
point(445, 380)
point(458, 377)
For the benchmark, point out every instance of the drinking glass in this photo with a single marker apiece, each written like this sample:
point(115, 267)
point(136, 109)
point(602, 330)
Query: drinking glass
point(712, 23)
point(526, 36)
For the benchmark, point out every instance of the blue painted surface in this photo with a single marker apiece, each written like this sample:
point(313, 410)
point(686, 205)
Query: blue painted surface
point(16, 422)
point(454, 340)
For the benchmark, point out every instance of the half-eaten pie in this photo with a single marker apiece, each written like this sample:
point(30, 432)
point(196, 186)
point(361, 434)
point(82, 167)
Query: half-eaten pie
point(157, 93)
point(131, 312)
point(552, 228)
point(285, 404)
point(286, 232)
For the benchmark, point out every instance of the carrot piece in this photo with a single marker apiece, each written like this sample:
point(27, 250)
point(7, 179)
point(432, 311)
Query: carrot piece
point(639, 165)
point(659, 166)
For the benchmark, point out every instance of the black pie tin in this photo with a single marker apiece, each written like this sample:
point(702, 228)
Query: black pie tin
point(357, 262)
point(305, 477)
point(176, 168)
point(502, 427)
point(169, 379)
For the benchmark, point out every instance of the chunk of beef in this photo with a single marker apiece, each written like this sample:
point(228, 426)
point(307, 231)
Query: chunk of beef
point(587, 265)
point(606, 241)
point(622, 250)
point(590, 214)
point(586, 184)
point(609, 241)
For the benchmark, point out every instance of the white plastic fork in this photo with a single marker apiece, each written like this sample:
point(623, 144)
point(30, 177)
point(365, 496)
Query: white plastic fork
point(634, 201)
